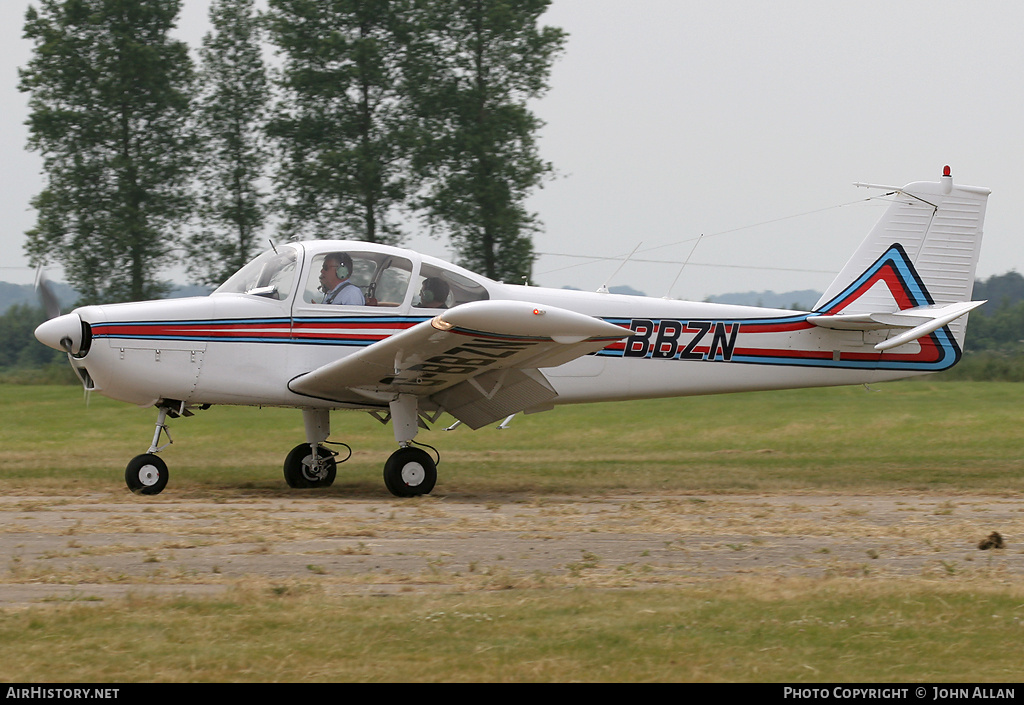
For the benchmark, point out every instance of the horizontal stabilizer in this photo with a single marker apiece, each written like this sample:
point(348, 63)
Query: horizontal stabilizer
point(943, 315)
point(920, 320)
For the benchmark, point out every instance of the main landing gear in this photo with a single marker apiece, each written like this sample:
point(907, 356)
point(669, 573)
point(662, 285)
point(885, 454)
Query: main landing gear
point(303, 469)
point(409, 472)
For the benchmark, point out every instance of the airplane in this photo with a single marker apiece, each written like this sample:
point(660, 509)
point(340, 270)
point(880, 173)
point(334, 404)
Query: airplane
point(483, 351)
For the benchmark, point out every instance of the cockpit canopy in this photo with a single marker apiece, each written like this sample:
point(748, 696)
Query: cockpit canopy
point(387, 277)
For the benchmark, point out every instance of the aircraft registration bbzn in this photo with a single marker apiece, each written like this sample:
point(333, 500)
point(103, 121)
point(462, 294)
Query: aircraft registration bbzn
point(419, 337)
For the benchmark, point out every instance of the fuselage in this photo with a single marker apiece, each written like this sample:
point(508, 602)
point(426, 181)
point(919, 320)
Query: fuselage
point(234, 347)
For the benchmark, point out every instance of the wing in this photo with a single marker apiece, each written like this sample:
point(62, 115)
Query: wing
point(480, 361)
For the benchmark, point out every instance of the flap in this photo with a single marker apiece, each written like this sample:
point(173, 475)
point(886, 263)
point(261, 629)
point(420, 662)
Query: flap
point(494, 395)
point(456, 346)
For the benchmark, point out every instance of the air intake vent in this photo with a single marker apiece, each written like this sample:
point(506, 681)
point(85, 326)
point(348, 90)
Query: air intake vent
point(83, 349)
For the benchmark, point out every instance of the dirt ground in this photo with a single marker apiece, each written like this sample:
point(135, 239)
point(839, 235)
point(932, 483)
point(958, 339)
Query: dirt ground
point(102, 547)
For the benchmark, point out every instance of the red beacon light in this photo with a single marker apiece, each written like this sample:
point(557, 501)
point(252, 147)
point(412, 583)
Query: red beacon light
point(946, 171)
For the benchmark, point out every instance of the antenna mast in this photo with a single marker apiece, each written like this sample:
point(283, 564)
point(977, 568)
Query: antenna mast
point(604, 287)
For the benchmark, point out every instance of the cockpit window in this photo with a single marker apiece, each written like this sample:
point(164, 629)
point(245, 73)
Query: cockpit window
point(443, 288)
point(270, 275)
point(358, 278)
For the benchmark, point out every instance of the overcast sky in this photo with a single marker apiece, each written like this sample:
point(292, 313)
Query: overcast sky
point(743, 121)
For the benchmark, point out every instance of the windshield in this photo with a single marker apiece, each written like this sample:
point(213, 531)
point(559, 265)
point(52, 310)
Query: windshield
point(270, 275)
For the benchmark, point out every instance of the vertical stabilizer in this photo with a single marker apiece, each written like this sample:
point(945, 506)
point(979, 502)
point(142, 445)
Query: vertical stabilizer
point(923, 251)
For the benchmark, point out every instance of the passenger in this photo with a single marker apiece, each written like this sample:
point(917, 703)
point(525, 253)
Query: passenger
point(434, 293)
point(334, 281)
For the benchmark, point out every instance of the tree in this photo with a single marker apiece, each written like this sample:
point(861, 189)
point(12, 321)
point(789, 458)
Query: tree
point(231, 114)
point(1000, 290)
point(1001, 329)
point(341, 128)
point(18, 347)
point(109, 99)
point(480, 64)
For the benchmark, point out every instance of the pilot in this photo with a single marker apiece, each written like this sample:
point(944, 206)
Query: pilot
point(334, 280)
point(434, 293)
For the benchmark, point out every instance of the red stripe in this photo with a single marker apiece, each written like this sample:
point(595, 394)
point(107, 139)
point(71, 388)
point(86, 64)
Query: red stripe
point(888, 274)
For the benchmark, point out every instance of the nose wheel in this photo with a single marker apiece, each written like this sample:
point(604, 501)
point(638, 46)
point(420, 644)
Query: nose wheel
point(410, 472)
point(146, 474)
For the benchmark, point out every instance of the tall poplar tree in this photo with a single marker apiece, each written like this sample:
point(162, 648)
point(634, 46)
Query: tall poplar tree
point(479, 64)
point(109, 97)
point(231, 117)
point(340, 128)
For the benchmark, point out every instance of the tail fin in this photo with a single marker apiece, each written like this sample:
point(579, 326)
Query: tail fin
point(923, 252)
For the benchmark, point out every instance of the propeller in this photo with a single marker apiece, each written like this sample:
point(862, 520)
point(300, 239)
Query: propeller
point(58, 332)
point(66, 333)
point(47, 296)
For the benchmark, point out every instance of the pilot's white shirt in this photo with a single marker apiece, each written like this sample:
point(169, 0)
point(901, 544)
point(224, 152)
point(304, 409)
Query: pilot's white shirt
point(345, 295)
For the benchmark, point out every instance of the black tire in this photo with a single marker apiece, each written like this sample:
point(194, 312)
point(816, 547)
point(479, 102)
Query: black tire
point(410, 472)
point(146, 474)
point(296, 468)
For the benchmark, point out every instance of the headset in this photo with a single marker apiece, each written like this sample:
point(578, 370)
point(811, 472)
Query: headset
point(344, 269)
point(437, 287)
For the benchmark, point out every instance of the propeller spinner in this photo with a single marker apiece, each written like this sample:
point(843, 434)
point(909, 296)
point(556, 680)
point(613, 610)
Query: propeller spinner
point(64, 333)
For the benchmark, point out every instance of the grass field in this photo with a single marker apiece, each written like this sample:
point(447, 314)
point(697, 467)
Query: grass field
point(962, 436)
point(911, 439)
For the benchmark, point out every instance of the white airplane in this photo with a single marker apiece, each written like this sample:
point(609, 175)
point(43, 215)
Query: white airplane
point(483, 351)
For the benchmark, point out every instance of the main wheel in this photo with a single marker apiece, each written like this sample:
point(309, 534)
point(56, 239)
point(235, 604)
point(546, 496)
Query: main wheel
point(410, 472)
point(300, 473)
point(146, 474)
